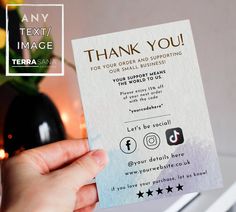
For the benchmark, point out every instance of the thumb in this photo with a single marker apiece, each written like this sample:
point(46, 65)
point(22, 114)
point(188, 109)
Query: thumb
point(83, 169)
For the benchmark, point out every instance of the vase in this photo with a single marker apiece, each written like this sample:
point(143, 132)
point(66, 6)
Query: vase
point(31, 121)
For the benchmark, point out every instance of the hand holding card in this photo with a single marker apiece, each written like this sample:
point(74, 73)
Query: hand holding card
point(144, 103)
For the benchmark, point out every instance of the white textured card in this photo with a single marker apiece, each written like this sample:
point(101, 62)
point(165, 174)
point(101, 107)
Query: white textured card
point(144, 103)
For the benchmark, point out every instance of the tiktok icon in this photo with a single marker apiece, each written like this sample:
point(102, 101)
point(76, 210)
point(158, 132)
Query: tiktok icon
point(174, 136)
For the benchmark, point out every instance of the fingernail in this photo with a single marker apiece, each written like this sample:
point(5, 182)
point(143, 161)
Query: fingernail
point(100, 157)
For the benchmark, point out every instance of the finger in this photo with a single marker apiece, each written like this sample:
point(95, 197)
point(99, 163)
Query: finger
point(81, 170)
point(87, 209)
point(55, 155)
point(86, 196)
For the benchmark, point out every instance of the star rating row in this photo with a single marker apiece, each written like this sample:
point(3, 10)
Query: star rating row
point(160, 191)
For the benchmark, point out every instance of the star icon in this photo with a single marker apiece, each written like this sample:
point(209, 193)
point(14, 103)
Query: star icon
point(149, 192)
point(180, 187)
point(159, 191)
point(169, 189)
point(140, 194)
